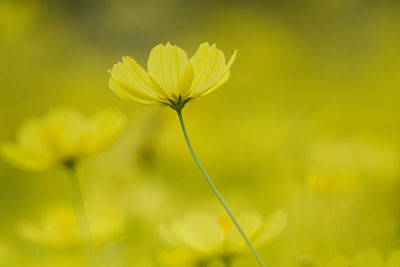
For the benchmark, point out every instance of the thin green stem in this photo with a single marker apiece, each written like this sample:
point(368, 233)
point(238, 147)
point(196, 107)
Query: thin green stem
point(217, 193)
point(82, 220)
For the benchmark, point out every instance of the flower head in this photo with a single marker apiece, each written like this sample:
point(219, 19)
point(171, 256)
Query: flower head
point(58, 227)
point(201, 238)
point(171, 78)
point(63, 136)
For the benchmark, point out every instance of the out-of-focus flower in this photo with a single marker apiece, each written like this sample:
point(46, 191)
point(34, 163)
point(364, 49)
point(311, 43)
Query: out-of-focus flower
point(61, 137)
point(367, 259)
point(332, 183)
point(58, 227)
point(171, 78)
point(201, 238)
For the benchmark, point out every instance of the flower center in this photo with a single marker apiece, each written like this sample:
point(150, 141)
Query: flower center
point(226, 223)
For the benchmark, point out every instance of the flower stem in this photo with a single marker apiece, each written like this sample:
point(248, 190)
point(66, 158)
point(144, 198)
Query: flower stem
point(217, 193)
point(82, 220)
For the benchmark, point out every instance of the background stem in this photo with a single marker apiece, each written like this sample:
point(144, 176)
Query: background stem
point(217, 193)
point(81, 215)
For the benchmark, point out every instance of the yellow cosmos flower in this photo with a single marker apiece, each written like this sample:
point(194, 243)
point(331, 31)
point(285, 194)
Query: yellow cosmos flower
point(58, 227)
point(171, 78)
point(202, 238)
point(61, 137)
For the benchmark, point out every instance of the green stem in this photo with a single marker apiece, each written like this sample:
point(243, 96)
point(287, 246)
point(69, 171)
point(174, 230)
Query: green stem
point(217, 193)
point(82, 220)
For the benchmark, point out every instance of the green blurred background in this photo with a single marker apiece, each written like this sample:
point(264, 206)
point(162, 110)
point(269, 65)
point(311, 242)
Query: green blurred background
point(308, 123)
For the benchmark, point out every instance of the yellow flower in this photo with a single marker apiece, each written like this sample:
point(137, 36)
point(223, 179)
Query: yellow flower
point(171, 78)
point(58, 227)
point(201, 237)
point(61, 137)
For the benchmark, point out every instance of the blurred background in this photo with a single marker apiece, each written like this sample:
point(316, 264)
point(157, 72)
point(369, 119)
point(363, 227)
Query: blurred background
point(308, 123)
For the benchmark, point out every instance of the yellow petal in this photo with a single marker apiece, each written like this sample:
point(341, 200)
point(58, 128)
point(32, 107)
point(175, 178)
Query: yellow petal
point(24, 158)
point(251, 224)
point(169, 66)
point(30, 136)
point(225, 77)
point(102, 130)
point(130, 81)
point(221, 82)
point(186, 81)
point(201, 232)
point(273, 227)
point(57, 227)
point(231, 60)
point(31, 151)
point(63, 131)
point(209, 68)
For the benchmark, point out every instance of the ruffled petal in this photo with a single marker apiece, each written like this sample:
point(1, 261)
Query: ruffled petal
point(222, 81)
point(28, 159)
point(200, 232)
point(209, 67)
point(30, 136)
point(272, 227)
point(62, 130)
point(169, 66)
point(251, 224)
point(102, 130)
point(130, 81)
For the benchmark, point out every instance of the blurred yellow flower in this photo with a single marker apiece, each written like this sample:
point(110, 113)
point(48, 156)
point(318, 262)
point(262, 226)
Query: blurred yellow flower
point(58, 227)
point(367, 259)
point(171, 78)
point(201, 238)
point(63, 136)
